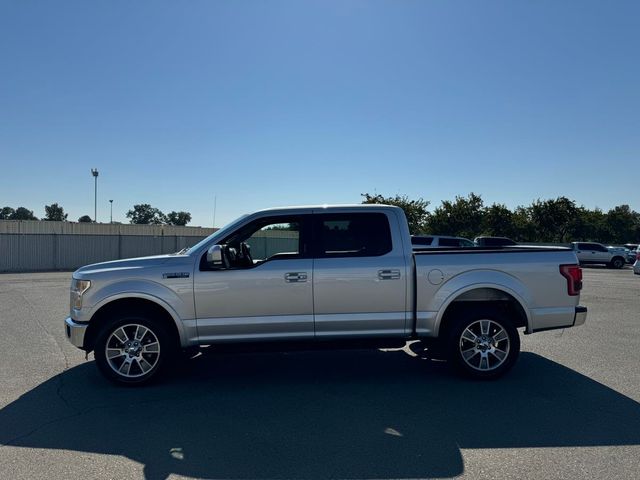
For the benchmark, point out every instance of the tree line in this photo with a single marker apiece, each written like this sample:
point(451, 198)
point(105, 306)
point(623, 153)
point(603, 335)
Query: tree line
point(142, 214)
point(558, 220)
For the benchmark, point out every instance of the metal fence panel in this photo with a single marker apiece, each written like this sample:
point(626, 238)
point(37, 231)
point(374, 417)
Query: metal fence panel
point(140, 246)
point(77, 250)
point(264, 247)
point(42, 252)
point(39, 227)
point(32, 252)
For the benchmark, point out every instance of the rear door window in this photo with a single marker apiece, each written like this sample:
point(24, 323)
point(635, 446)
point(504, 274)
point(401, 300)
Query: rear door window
point(352, 235)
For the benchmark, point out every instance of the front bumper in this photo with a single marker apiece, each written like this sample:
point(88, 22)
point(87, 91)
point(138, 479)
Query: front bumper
point(75, 332)
point(581, 316)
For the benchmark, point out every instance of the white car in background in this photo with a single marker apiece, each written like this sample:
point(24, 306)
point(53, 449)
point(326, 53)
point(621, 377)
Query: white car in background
point(439, 241)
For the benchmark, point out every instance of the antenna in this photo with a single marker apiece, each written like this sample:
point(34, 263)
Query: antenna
point(215, 201)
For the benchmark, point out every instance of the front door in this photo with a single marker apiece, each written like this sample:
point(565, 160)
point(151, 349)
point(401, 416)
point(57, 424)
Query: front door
point(265, 296)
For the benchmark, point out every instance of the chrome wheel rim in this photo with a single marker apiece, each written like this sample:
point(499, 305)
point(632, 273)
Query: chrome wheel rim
point(484, 345)
point(132, 350)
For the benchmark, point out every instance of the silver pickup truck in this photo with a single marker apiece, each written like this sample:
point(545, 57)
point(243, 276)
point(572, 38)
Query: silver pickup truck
point(591, 253)
point(340, 276)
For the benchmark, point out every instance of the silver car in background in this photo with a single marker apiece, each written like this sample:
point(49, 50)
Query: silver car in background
point(636, 265)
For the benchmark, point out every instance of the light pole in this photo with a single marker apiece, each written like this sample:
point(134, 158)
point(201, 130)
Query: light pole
point(111, 216)
point(94, 172)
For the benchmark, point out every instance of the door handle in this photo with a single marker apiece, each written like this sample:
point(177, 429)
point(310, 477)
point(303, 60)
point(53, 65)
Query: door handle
point(388, 274)
point(295, 277)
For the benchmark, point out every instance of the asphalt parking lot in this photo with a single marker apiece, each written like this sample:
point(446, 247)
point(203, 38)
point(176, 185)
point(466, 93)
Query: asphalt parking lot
point(568, 410)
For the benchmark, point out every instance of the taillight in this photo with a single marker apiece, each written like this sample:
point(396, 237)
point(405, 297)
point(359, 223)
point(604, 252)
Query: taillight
point(638, 256)
point(573, 274)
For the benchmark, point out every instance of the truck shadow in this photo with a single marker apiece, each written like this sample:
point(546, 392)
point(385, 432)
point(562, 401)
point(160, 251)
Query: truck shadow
point(359, 414)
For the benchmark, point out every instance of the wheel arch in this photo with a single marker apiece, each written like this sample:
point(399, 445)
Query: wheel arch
point(483, 296)
point(110, 306)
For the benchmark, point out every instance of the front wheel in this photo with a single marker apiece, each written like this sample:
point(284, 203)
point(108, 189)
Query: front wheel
point(483, 344)
point(617, 262)
point(132, 350)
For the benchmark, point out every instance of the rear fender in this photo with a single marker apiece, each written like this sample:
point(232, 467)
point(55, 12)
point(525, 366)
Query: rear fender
point(475, 280)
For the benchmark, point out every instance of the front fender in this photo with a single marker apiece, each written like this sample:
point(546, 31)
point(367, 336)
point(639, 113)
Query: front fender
point(141, 289)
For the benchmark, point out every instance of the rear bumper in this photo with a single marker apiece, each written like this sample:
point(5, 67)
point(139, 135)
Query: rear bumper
point(75, 332)
point(555, 318)
point(580, 317)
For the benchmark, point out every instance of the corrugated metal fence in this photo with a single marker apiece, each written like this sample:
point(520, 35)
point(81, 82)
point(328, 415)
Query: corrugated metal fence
point(39, 245)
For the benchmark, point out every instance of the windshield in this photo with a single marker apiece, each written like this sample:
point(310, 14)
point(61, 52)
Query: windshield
point(218, 234)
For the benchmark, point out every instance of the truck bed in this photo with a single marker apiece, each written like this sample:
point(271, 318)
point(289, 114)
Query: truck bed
point(519, 274)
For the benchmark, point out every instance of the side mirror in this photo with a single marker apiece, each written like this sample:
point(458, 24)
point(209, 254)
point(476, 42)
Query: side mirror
point(214, 256)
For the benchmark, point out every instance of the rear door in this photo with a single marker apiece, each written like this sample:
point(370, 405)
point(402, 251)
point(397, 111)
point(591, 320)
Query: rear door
point(360, 276)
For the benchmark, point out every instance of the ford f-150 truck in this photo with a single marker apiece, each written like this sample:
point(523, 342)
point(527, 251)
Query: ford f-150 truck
point(340, 276)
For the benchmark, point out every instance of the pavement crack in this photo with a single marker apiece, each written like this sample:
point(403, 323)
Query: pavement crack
point(65, 359)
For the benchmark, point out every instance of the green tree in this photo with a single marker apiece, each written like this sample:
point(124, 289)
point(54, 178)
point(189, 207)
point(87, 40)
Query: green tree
point(498, 220)
point(22, 213)
point(462, 217)
point(55, 213)
point(178, 218)
point(590, 225)
point(144, 214)
point(622, 224)
point(554, 220)
point(6, 212)
point(524, 230)
point(85, 219)
point(415, 210)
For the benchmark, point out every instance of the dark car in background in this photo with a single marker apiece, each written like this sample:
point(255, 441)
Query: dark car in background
point(493, 241)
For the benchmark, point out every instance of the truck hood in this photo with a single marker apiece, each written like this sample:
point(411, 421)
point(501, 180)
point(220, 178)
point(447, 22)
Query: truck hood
point(126, 264)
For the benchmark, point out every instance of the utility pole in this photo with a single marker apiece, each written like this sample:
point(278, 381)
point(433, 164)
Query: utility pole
point(94, 172)
point(111, 216)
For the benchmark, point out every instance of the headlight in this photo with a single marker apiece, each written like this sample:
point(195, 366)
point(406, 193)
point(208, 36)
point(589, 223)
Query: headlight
point(78, 287)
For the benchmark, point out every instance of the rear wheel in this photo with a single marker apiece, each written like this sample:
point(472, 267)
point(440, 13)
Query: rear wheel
point(483, 344)
point(133, 350)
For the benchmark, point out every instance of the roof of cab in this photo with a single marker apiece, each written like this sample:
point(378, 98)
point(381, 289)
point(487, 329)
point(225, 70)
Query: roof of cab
point(328, 208)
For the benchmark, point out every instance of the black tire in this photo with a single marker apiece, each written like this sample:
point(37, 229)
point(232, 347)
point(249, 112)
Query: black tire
point(617, 263)
point(136, 339)
point(493, 352)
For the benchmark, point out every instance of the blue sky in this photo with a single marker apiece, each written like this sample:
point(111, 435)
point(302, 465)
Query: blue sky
point(269, 103)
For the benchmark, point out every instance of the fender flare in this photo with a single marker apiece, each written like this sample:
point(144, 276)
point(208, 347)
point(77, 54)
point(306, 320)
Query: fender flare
point(144, 296)
point(444, 305)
